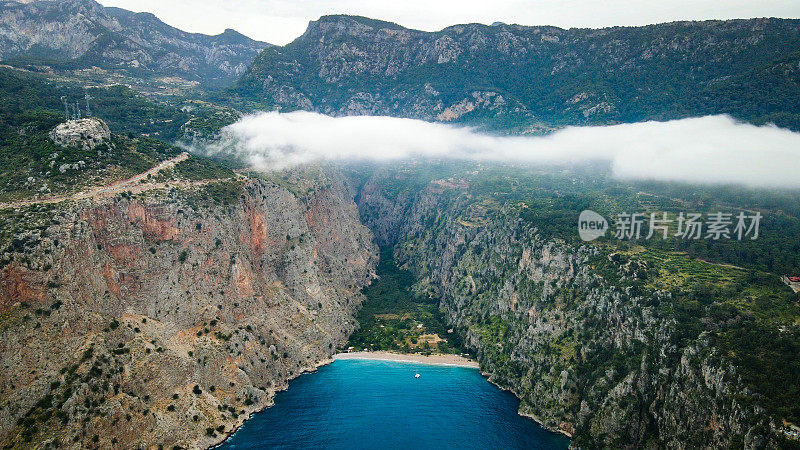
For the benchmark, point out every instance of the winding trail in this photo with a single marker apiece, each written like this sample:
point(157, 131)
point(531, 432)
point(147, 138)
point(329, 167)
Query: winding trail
point(133, 184)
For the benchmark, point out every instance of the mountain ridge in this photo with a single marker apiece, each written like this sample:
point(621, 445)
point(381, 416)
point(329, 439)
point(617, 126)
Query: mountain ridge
point(83, 33)
point(519, 76)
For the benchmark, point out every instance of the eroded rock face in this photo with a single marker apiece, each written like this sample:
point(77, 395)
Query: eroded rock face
point(148, 321)
point(84, 133)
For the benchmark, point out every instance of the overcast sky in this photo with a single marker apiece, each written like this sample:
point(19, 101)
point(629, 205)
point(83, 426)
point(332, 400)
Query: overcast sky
point(280, 21)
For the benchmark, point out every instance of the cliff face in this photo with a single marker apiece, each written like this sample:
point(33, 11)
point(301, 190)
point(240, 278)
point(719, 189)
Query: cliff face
point(597, 360)
point(164, 319)
point(83, 33)
point(512, 74)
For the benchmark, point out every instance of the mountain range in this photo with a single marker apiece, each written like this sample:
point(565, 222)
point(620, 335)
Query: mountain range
point(513, 77)
point(151, 297)
point(529, 75)
point(83, 33)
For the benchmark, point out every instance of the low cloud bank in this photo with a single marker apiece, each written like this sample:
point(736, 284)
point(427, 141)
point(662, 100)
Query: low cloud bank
point(712, 149)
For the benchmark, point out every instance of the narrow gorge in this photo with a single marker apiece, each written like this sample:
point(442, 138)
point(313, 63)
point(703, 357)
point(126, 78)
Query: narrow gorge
point(169, 316)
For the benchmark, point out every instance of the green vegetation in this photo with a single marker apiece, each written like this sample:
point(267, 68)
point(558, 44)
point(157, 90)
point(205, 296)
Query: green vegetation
point(723, 288)
point(32, 98)
point(200, 168)
point(208, 120)
point(725, 292)
point(747, 69)
point(216, 193)
point(392, 318)
point(15, 223)
point(31, 164)
point(750, 316)
point(87, 383)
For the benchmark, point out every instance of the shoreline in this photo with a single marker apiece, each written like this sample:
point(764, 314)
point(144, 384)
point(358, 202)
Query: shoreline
point(436, 359)
point(526, 414)
point(271, 402)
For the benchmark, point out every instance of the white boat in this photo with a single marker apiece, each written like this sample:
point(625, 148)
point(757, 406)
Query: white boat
point(416, 376)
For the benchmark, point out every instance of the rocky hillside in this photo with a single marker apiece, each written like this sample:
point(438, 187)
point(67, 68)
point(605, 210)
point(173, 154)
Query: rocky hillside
point(594, 339)
point(167, 317)
point(513, 75)
point(83, 33)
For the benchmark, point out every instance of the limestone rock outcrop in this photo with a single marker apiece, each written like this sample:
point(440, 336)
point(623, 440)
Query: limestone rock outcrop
point(83, 133)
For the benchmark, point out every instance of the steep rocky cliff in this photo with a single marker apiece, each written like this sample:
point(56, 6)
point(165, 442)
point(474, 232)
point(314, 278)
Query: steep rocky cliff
point(167, 317)
point(83, 33)
point(535, 76)
point(588, 349)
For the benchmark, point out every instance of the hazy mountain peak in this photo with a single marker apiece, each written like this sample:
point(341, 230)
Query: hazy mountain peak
point(87, 34)
point(342, 24)
point(348, 19)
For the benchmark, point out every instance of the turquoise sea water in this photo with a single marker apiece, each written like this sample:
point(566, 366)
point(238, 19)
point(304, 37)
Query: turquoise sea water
point(354, 404)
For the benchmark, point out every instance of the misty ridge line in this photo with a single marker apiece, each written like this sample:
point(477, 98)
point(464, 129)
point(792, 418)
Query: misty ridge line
point(702, 150)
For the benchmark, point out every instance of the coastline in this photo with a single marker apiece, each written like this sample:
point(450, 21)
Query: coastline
point(527, 414)
point(271, 402)
point(437, 359)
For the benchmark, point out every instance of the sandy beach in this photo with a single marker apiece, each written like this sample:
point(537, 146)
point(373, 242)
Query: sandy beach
point(442, 360)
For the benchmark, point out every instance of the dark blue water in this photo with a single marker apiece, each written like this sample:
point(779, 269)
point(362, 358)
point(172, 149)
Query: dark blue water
point(354, 404)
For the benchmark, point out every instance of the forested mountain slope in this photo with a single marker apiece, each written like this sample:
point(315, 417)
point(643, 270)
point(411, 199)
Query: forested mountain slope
point(512, 75)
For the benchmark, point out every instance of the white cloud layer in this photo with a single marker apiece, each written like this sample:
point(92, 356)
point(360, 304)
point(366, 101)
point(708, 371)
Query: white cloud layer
point(280, 21)
point(706, 150)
